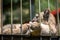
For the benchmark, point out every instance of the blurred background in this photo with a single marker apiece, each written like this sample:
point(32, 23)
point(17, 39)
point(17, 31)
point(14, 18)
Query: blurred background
point(25, 9)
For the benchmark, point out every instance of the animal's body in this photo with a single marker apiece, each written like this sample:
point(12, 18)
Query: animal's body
point(47, 22)
point(16, 28)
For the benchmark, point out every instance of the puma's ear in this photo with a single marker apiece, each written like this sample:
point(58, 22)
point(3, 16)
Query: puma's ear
point(46, 11)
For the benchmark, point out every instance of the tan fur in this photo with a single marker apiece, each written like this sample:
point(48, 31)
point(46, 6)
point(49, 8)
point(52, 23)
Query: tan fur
point(51, 22)
point(16, 28)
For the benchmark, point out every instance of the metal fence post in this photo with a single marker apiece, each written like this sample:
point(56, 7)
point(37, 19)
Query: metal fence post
point(11, 20)
point(1, 20)
point(57, 6)
point(21, 18)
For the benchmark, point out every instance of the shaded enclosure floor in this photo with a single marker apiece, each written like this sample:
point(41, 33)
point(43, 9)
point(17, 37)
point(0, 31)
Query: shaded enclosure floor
point(29, 38)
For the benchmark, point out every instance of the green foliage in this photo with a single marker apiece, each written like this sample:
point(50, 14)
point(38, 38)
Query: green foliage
point(44, 5)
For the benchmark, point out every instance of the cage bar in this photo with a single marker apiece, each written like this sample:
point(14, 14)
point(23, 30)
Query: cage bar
point(11, 21)
point(21, 15)
point(1, 19)
point(11, 18)
point(21, 19)
point(39, 13)
point(48, 4)
point(40, 16)
point(30, 11)
point(49, 9)
point(57, 6)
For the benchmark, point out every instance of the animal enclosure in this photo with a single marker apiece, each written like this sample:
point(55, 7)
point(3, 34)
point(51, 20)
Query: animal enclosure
point(22, 19)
